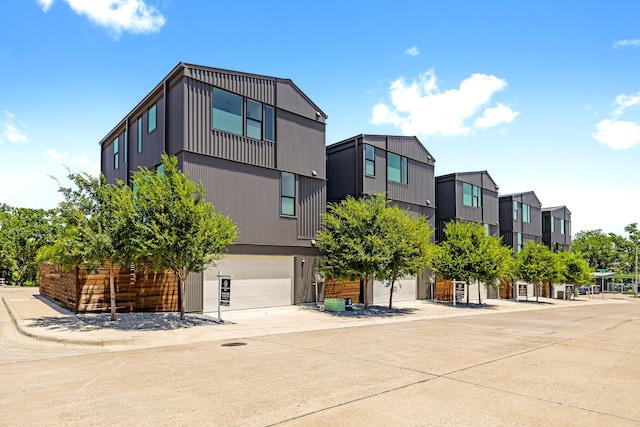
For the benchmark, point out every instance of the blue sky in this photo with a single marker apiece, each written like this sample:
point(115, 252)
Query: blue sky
point(543, 95)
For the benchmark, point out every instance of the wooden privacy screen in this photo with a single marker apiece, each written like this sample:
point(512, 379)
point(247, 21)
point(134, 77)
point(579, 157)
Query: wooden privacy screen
point(343, 289)
point(82, 291)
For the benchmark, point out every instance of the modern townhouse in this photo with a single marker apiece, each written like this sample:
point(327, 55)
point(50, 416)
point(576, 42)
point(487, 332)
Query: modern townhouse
point(470, 196)
point(399, 166)
point(257, 144)
point(520, 219)
point(556, 228)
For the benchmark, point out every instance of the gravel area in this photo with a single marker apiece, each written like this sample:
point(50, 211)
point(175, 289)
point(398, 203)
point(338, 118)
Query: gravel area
point(146, 321)
point(358, 310)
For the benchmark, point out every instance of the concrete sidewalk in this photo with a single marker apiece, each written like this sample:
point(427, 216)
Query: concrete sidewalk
point(37, 317)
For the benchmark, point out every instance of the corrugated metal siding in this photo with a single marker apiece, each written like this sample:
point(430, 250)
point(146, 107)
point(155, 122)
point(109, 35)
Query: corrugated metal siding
point(193, 293)
point(249, 195)
point(341, 173)
point(202, 139)
point(301, 145)
point(490, 207)
point(256, 87)
point(312, 194)
point(176, 117)
point(288, 98)
point(410, 147)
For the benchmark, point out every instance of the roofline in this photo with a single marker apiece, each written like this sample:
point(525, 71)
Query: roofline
point(363, 135)
point(455, 175)
point(180, 67)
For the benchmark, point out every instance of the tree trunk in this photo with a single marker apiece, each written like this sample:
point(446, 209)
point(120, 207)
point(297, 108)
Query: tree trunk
point(479, 297)
point(112, 292)
point(183, 303)
point(391, 292)
point(468, 286)
point(537, 292)
point(366, 292)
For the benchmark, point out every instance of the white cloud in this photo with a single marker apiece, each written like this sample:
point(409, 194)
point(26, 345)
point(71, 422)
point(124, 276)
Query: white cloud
point(617, 134)
point(420, 108)
point(626, 101)
point(496, 115)
point(132, 16)
point(86, 164)
point(413, 51)
point(626, 42)
point(45, 4)
point(10, 132)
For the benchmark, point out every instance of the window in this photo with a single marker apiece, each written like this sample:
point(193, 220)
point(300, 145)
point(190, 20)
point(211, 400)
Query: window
point(140, 134)
point(370, 160)
point(125, 145)
point(287, 194)
point(562, 226)
point(526, 213)
point(548, 224)
point(269, 123)
point(519, 240)
point(151, 119)
point(227, 111)
point(254, 119)
point(515, 210)
point(396, 168)
point(487, 230)
point(116, 153)
point(567, 226)
point(471, 195)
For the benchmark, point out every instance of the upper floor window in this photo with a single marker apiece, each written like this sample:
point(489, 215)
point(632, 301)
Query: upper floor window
point(254, 119)
point(227, 111)
point(548, 224)
point(562, 230)
point(519, 242)
point(116, 153)
point(471, 195)
point(526, 213)
point(151, 119)
point(125, 145)
point(515, 210)
point(140, 134)
point(287, 194)
point(269, 123)
point(369, 160)
point(396, 168)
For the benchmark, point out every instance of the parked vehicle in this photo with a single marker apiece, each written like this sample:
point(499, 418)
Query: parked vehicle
point(583, 290)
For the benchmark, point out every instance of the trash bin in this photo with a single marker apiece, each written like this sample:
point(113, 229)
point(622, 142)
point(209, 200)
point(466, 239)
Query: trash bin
point(334, 304)
point(560, 294)
point(348, 304)
point(576, 293)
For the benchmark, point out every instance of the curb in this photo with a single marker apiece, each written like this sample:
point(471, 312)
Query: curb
point(24, 330)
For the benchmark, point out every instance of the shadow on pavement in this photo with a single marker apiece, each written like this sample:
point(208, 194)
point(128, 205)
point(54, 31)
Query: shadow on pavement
point(358, 310)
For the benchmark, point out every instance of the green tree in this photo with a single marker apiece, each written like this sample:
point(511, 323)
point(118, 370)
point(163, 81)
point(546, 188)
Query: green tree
point(175, 227)
point(469, 254)
point(596, 247)
point(23, 231)
point(576, 270)
point(409, 240)
point(98, 218)
point(536, 264)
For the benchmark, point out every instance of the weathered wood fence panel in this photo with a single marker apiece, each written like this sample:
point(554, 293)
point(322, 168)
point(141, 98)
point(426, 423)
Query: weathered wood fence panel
point(343, 289)
point(83, 291)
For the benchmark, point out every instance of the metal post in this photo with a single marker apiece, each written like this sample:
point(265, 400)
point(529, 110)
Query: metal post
point(635, 291)
point(219, 294)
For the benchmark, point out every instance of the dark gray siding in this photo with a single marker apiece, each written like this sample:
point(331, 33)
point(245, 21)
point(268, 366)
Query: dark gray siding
point(260, 88)
point(193, 293)
point(342, 173)
point(420, 186)
point(301, 145)
point(201, 138)
point(250, 196)
point(408, 147)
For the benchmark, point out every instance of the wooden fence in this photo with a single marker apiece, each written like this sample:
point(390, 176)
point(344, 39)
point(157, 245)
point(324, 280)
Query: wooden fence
point(343, 289)
point(82, 291)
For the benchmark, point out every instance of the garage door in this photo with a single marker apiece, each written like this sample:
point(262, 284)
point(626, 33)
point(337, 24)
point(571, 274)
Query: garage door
point(257, 281)
point(407, 291)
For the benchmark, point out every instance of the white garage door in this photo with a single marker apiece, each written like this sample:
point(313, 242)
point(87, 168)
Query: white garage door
point(407, 291)
point(257, 281)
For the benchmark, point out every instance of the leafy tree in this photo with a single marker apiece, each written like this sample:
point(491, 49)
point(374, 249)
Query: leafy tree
point(409, 240)
point(536, 264)
point(496, 262)
point(175, 227)
point(353, 239)
point(98, 218)
point(468, 254)
point(576, 270)
point(23, 231)
point(596, 247)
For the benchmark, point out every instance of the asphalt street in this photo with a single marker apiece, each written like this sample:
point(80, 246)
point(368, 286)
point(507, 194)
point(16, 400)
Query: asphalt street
point(557, 366)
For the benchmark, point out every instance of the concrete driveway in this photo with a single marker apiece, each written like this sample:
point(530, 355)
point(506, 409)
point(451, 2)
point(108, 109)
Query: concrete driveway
point(558, 366)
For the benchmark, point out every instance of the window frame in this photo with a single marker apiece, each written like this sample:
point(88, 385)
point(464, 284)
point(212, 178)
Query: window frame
point(471, 195)
point(404, 178)
point(116, 153)
point(369, 162)
point(515, 210)
point(287, 195)
point(153, 109)
point(526, 213)
point(139, 142)
point(259, 121)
